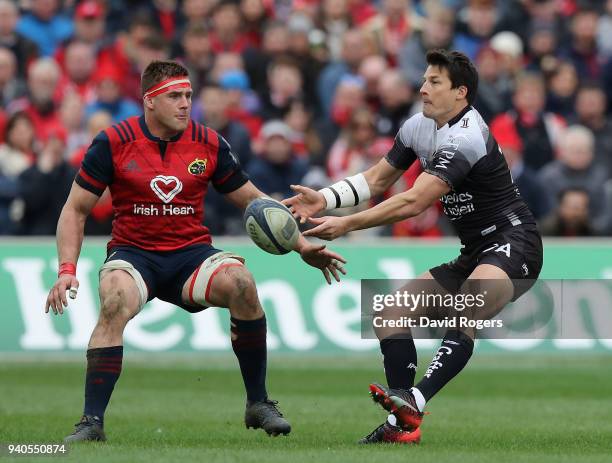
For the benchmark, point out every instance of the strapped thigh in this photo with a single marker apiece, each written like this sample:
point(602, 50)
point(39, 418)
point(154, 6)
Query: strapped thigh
point(135, 274)
point(199, 290)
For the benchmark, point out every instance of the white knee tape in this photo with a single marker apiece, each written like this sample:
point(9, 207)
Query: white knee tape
point(135, 274)
point(199, 289)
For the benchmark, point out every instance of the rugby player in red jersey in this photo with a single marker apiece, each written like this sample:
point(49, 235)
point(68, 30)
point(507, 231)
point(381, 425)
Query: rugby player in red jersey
point(158, 168)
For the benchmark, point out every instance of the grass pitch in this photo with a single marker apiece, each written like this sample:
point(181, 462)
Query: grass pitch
point(500, 409)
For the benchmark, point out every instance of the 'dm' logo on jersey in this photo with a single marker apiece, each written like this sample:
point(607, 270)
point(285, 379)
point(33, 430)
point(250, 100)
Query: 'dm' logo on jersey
point(197, 167)
point(444, 159)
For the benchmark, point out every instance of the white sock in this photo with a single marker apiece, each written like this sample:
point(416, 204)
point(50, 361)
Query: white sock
point(392, 420)
point(418, 397)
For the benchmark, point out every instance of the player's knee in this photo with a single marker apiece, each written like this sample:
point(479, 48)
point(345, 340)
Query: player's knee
point(114, 307)
point(243, 290)
point(110, 309)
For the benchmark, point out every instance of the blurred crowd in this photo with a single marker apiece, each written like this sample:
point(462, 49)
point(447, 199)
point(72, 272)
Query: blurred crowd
point(309, 91)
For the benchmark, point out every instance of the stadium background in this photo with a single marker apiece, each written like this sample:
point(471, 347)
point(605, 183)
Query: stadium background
point(305, 91)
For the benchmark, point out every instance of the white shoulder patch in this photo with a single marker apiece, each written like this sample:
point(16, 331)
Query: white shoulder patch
point(469, 136)
point(410, 129)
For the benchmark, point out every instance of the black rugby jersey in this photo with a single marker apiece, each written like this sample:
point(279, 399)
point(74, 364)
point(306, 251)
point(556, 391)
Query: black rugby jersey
point(483, 197)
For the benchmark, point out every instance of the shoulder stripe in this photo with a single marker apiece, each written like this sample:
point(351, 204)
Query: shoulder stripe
point(199, 133)
point(212, 137)
point(119, 133)
point(124, 131)
point(193, 130)
point(127, 124)
point(205, 135)
point(89, 179)
point(224, 178)
point(88, 186)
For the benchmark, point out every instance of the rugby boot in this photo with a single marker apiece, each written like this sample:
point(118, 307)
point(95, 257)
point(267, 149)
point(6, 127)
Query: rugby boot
point(401, 403)
point(267, 416)
point(386, 433)
point(89, 428)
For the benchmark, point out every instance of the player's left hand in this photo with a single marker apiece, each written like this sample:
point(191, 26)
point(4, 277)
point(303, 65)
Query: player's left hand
point(328, 228)
point(329, 262)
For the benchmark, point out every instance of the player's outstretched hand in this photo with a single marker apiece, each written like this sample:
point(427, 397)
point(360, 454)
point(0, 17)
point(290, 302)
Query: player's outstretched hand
point(328, 228)
point(305, 204)
point(57, 296)
point(327, 261)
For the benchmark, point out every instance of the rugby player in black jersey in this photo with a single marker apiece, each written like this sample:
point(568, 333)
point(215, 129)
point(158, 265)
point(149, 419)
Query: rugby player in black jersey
point(464, 168)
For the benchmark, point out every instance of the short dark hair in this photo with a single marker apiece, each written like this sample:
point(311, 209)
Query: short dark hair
point(572, 189)
point(459, 67)
point(155, 42)
point(591, 85)
point(141, 18)
point(157, 71)
point(12, 122)
point(197, 29)
point(284, 60)
point(273, 24)
point(222, 4)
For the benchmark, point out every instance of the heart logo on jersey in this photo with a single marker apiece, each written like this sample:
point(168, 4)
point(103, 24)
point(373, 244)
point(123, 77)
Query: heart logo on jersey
point(166, 196)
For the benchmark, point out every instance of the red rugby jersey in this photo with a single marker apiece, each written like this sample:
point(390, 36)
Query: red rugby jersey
point(158, 186)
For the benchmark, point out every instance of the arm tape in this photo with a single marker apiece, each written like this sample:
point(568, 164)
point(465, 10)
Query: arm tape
point(346, 193)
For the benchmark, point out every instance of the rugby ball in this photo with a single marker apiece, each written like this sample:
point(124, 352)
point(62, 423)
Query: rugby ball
point(271, 226)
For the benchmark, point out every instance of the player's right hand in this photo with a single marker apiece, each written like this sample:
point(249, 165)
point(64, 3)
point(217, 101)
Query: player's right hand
point(57, 296)
point(306, 203)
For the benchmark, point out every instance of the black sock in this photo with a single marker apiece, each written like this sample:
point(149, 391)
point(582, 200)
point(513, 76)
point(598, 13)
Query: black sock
point(103, 370)
point(452, 356)
point(249, 344)
point(400, 360)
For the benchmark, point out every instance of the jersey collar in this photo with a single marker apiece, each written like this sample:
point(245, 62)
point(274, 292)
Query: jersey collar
point(458, 117)
point(150, 136)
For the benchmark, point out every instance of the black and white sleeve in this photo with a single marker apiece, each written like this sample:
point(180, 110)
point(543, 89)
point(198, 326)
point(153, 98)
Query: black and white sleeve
point(400, 156)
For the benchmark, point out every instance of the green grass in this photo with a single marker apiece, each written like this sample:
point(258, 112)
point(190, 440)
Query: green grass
point(500, 409)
